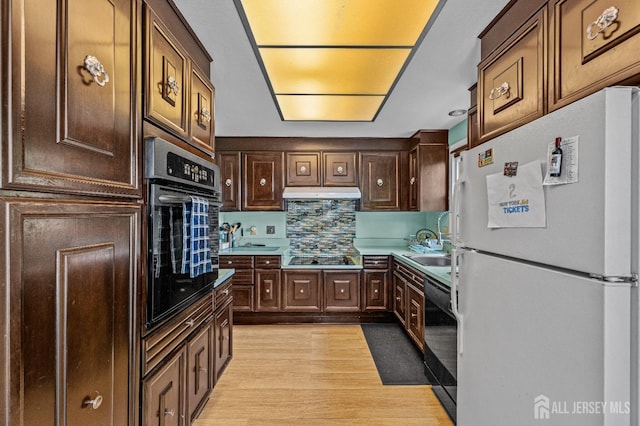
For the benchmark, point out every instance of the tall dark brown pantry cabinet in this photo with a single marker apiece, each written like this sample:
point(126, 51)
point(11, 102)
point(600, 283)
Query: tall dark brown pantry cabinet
point(69, 212)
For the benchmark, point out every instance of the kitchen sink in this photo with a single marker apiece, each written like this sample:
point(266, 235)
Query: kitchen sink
point(256, 248)
point(430, 260)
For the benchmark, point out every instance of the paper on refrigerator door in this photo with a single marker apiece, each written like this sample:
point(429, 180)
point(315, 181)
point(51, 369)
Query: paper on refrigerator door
point(517, 201)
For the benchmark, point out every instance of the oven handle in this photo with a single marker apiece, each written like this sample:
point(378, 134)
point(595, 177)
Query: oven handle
point(177, 199)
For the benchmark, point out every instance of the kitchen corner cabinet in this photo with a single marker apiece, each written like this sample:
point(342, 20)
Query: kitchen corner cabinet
point(339, 169)
point(380, 180)
point(429, 172)
point(301, 290)
point(229, 163)
point(512, 81)
point(585, 58)
point(70, 96)
point(303, 169)
point(70, 354)
point(263, 180)
point(341, 291)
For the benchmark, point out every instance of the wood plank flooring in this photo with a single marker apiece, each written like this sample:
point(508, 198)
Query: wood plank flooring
point(311, 375)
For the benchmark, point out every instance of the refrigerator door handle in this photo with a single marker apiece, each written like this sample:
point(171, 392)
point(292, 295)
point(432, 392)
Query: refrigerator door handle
point(455, 216)
point(454, 294)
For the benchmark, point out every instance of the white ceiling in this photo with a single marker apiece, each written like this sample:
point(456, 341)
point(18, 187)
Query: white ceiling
point(435, 82)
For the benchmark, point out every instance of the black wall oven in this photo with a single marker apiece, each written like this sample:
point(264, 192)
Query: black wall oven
point(179, 186)
point(441, 343)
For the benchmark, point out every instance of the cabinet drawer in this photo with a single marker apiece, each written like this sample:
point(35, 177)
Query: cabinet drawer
point(587, 58)
point(243, 277)
point(237, 262)
point(222, 294)
point(512, 83)
point(167, 337)
point(413, 276)
point(267, 262)
point(375, 262)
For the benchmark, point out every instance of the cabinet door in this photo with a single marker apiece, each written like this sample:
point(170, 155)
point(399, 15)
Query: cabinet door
point(67, 130)
point(512, 82)
point(301, 291)
point(163, 401)
point(415, 315)
point(262, 181)
point(72, 280)
point(229, 163)
point(375, 290)
point(167, 78)
point(202, 114)
point(223, 334)
point(399, 298)
point(268, 290)
point(339, 169)
point(432, 184)
point(380, 180)
point(586, 58)
point(198, 375)
point(341, 291)
point(303, 169)
point(414, 201)
point(243, 297)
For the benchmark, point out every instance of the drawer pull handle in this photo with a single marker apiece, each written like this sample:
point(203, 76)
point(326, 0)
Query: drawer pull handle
point(226, 292)
point(380, 182)
point(94, 403)
point(172, 85)
point(169, 412)
point(604, 21)
point(190, 323)
point(96, 69)
point(503, 89)
point(228, 182)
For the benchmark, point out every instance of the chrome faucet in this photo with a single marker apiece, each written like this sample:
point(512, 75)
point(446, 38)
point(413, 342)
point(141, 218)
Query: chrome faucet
point(439, 228)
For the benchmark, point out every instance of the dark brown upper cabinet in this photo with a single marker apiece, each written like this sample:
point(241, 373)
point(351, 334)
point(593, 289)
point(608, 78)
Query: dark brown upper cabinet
point(303, 169)
point(229, 163)
point(263, 180)
point(339, 169)
point(202, 126)
point(69, 90)
point(429, 171)
point(380, 180)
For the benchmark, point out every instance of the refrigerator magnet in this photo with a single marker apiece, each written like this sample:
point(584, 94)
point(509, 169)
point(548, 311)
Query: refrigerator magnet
point(485, 158)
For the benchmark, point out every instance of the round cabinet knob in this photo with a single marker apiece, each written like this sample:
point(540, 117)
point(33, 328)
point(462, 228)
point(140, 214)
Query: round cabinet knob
point(340, 170)
point(301, 291)
point(226, 292)
point(267, 262)
point(263, 182)
point(228, 182)
point(412, 180)
point(229, 262)
point(342, 290)
point(94, 403)
point(268, 291)
point(375, 291)
point(375, 262)
point(303, 169)
point(380, 182)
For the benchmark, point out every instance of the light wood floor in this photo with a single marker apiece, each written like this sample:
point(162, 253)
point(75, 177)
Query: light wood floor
point(312, 375)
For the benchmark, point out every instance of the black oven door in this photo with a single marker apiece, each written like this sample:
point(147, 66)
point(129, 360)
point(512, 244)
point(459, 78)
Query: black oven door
point(169, 290)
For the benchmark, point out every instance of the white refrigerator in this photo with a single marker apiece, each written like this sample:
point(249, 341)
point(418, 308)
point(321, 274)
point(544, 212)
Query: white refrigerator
point(548, 315)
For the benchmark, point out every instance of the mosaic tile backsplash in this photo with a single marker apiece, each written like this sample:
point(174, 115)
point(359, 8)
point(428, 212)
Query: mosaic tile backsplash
point(321, 227)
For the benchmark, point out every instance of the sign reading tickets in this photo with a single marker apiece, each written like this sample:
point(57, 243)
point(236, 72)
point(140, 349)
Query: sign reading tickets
point(517, 201)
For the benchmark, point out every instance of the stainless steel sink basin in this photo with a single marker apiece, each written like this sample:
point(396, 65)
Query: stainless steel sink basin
point(430, 260)
point(256, 248)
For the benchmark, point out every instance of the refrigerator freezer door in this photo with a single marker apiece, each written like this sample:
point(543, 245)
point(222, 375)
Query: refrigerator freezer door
point(587, 223)
point(537, 335)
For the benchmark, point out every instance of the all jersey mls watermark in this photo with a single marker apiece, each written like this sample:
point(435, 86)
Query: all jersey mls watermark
point(544, 408)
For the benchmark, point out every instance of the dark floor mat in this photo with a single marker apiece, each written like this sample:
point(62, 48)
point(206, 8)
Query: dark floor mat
point(398, 361)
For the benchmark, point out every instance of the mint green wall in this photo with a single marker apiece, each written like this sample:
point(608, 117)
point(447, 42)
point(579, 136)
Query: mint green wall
point(395, 224)
point(260, 220)
point(458, 132)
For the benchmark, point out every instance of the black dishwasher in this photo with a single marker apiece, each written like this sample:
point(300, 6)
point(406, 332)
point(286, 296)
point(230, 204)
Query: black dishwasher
point(440, 342)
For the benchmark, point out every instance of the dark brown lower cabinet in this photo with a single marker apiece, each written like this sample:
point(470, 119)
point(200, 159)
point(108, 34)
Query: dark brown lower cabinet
point(399, 299)
point(341, 291)
point(408, 303)
point(415, 314)
point(163, 397)
point(199, 362)
point(223, 335)
point(375, 290)
point(301, 290)
point(268, 290)
point(70, 354)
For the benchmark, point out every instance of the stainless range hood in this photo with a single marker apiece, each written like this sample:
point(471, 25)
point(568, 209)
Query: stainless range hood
point(321, 193)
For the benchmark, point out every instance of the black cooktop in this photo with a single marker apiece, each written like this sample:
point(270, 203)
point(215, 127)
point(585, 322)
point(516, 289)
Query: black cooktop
point(321, 260)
